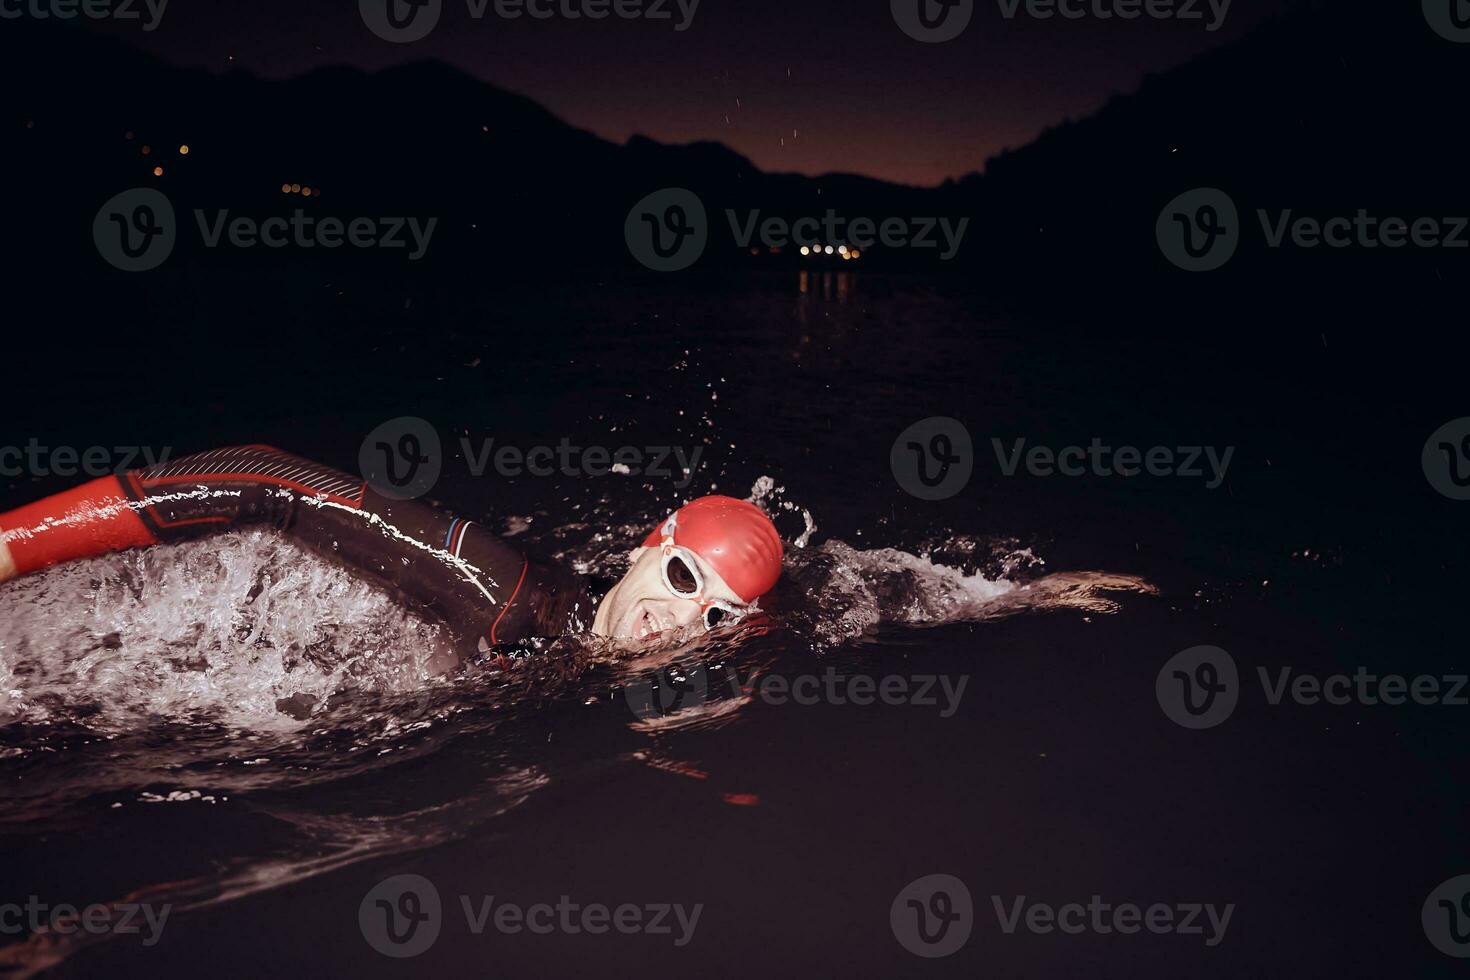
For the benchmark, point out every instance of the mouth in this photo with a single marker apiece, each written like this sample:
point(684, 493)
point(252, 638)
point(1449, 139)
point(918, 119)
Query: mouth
point(643, 623)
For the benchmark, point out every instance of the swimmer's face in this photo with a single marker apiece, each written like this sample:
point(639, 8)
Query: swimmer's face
point(640, 605)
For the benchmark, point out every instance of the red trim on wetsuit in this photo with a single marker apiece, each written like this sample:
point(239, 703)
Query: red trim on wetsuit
point(508, 603)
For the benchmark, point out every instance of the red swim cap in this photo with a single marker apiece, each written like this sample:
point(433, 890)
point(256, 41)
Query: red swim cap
point(734, 537)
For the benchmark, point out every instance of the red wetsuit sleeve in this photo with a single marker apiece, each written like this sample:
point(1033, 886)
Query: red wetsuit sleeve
point(484, 590)
point(84, 522)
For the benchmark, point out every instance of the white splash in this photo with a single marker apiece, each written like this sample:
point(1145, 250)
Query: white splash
point(220, 631)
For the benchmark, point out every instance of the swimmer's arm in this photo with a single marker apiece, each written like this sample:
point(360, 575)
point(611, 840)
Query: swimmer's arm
point(481, 587)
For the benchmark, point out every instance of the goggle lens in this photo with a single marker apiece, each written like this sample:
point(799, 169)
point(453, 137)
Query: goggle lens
point(683, 581)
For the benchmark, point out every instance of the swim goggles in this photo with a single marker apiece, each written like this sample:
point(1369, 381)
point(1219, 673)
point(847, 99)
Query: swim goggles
point(681, 575)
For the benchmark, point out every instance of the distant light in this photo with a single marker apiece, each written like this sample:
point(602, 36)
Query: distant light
point(285, 188)
point(158, 171)
point(842, 249)
point(306, 192)
point(295, 188)
point(184, 150)
point(805, 250)
point(828, 250)
point(128, 135)
point(147, 150)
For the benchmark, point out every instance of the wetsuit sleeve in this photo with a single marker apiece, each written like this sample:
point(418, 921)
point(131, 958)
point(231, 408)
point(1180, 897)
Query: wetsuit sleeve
point(483, 589)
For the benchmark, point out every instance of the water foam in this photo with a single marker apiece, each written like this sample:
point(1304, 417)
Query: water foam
point(224, 631)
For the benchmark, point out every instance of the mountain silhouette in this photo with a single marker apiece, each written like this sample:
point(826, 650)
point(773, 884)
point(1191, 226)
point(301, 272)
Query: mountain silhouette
point(1333, 107)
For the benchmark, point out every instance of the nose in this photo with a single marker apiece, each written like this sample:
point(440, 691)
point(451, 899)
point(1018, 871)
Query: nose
point(677, 612)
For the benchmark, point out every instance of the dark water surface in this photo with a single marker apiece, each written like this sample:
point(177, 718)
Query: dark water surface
point(131, 770)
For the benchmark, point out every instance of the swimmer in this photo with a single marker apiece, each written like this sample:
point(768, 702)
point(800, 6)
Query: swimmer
point(706, 564)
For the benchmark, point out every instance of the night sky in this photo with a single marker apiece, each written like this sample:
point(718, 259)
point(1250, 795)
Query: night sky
point(796, 85)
